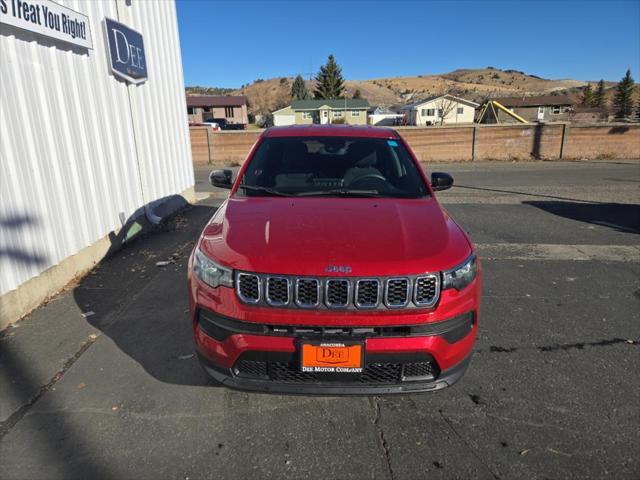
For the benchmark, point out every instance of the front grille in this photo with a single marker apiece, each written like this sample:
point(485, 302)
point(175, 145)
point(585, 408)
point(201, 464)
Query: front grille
point(288, 291)
point(397, 293)
point(426, 290)
point(248, 287)
point(307, 292)
point(367, 293)
point(337, 295)
point(375, 372)
point(277, 291)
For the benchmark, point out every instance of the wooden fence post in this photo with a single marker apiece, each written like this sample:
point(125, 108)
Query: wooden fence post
point(208, 147)
point(565, 133)
point(473, 144)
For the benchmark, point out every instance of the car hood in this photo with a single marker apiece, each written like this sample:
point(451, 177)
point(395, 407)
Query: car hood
point(305, 236)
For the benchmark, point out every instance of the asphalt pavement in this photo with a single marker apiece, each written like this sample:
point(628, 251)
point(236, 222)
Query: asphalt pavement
point(102, 382)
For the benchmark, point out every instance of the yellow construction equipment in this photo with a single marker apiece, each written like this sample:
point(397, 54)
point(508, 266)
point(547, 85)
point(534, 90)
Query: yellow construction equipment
point(488, 113)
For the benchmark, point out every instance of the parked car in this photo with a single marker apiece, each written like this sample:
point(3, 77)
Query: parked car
point(222, 123)
point(332, 268)
point(215, 126)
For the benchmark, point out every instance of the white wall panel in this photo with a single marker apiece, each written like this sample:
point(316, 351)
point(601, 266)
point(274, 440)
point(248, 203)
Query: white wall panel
point(68, 158)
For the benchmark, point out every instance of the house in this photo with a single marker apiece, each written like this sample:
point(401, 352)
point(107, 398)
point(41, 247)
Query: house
point(541, 108)
point(203, 108)
point(284, 116)
point(351, 111)
point(431, 111)
point(383, 116)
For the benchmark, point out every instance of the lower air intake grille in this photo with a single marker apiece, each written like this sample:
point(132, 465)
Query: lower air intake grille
point(421, 370)
point(377, 373)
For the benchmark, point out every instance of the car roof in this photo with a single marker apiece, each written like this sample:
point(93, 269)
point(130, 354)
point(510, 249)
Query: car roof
point(330, 131)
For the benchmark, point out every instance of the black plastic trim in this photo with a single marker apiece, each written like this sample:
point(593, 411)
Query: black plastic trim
point(220, 328)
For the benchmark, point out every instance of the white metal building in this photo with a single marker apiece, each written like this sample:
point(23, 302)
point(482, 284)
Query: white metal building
point(81, 150)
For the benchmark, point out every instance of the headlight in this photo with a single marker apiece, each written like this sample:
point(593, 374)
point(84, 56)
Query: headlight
point(460, 276)
point(210, 272)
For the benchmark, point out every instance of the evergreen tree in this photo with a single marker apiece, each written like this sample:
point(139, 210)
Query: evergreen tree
point(299, 89)
point(623, 101)
point(357, 94)
point(599, 99)
point(587, 96)
point(329, 81)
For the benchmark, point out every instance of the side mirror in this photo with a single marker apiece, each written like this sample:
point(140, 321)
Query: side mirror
point(441, 181)
point(221, 178)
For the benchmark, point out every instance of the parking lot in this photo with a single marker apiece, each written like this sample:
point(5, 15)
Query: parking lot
point(553, 389)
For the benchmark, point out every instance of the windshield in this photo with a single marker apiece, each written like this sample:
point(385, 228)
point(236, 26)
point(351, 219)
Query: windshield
point(332, 166)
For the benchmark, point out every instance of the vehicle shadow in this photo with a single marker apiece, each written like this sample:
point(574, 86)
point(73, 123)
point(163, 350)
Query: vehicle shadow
point(143, 307)
point(618, 216)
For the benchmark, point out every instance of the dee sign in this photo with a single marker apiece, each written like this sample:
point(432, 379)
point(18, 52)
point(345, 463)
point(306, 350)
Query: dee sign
point(127, 57)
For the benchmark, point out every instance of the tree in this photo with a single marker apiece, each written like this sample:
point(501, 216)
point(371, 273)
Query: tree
point(329, 81)
point(299, 89)
point(587, 96)
point(357, 94)
point(445, 105)
point(623, 101)
point(599, 98)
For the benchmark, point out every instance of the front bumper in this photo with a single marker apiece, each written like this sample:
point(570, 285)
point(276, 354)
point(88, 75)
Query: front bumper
point(445, 379)
point(400, 359)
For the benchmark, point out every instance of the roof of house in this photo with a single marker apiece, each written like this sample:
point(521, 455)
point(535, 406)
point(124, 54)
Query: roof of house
point(351, 103)
point(286, 109)
point(215, 101)
point(536, 101)
point(417, 104)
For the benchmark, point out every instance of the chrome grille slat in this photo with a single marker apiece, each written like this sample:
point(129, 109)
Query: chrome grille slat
point(290, 291)
point(248, 287)
point(337, 292)
point(307, 292)
point(397, 292)
point(367, 293)
point(277, 291)
point(426, 290)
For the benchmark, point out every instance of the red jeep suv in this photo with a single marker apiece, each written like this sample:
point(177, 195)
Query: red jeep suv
point(332, 268)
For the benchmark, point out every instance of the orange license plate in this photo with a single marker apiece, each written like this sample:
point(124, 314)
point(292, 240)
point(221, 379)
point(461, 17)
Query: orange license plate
point(332, 357)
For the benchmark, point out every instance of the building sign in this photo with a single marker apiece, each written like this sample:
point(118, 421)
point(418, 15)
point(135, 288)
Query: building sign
point(47, 18)
point(127, 58)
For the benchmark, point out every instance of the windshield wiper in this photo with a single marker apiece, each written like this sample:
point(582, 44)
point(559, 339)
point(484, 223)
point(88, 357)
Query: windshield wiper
point(256, 188)
point(342, 192)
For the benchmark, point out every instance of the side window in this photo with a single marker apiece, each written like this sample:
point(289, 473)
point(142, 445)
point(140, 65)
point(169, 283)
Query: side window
point(460, 110)
point(355, 113)
point(430, 112)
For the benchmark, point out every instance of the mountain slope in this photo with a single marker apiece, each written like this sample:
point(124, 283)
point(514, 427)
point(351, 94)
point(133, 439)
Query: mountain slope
point(265, 96)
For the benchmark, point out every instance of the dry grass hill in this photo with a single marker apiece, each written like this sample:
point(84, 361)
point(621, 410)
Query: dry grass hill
point(474, 84)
